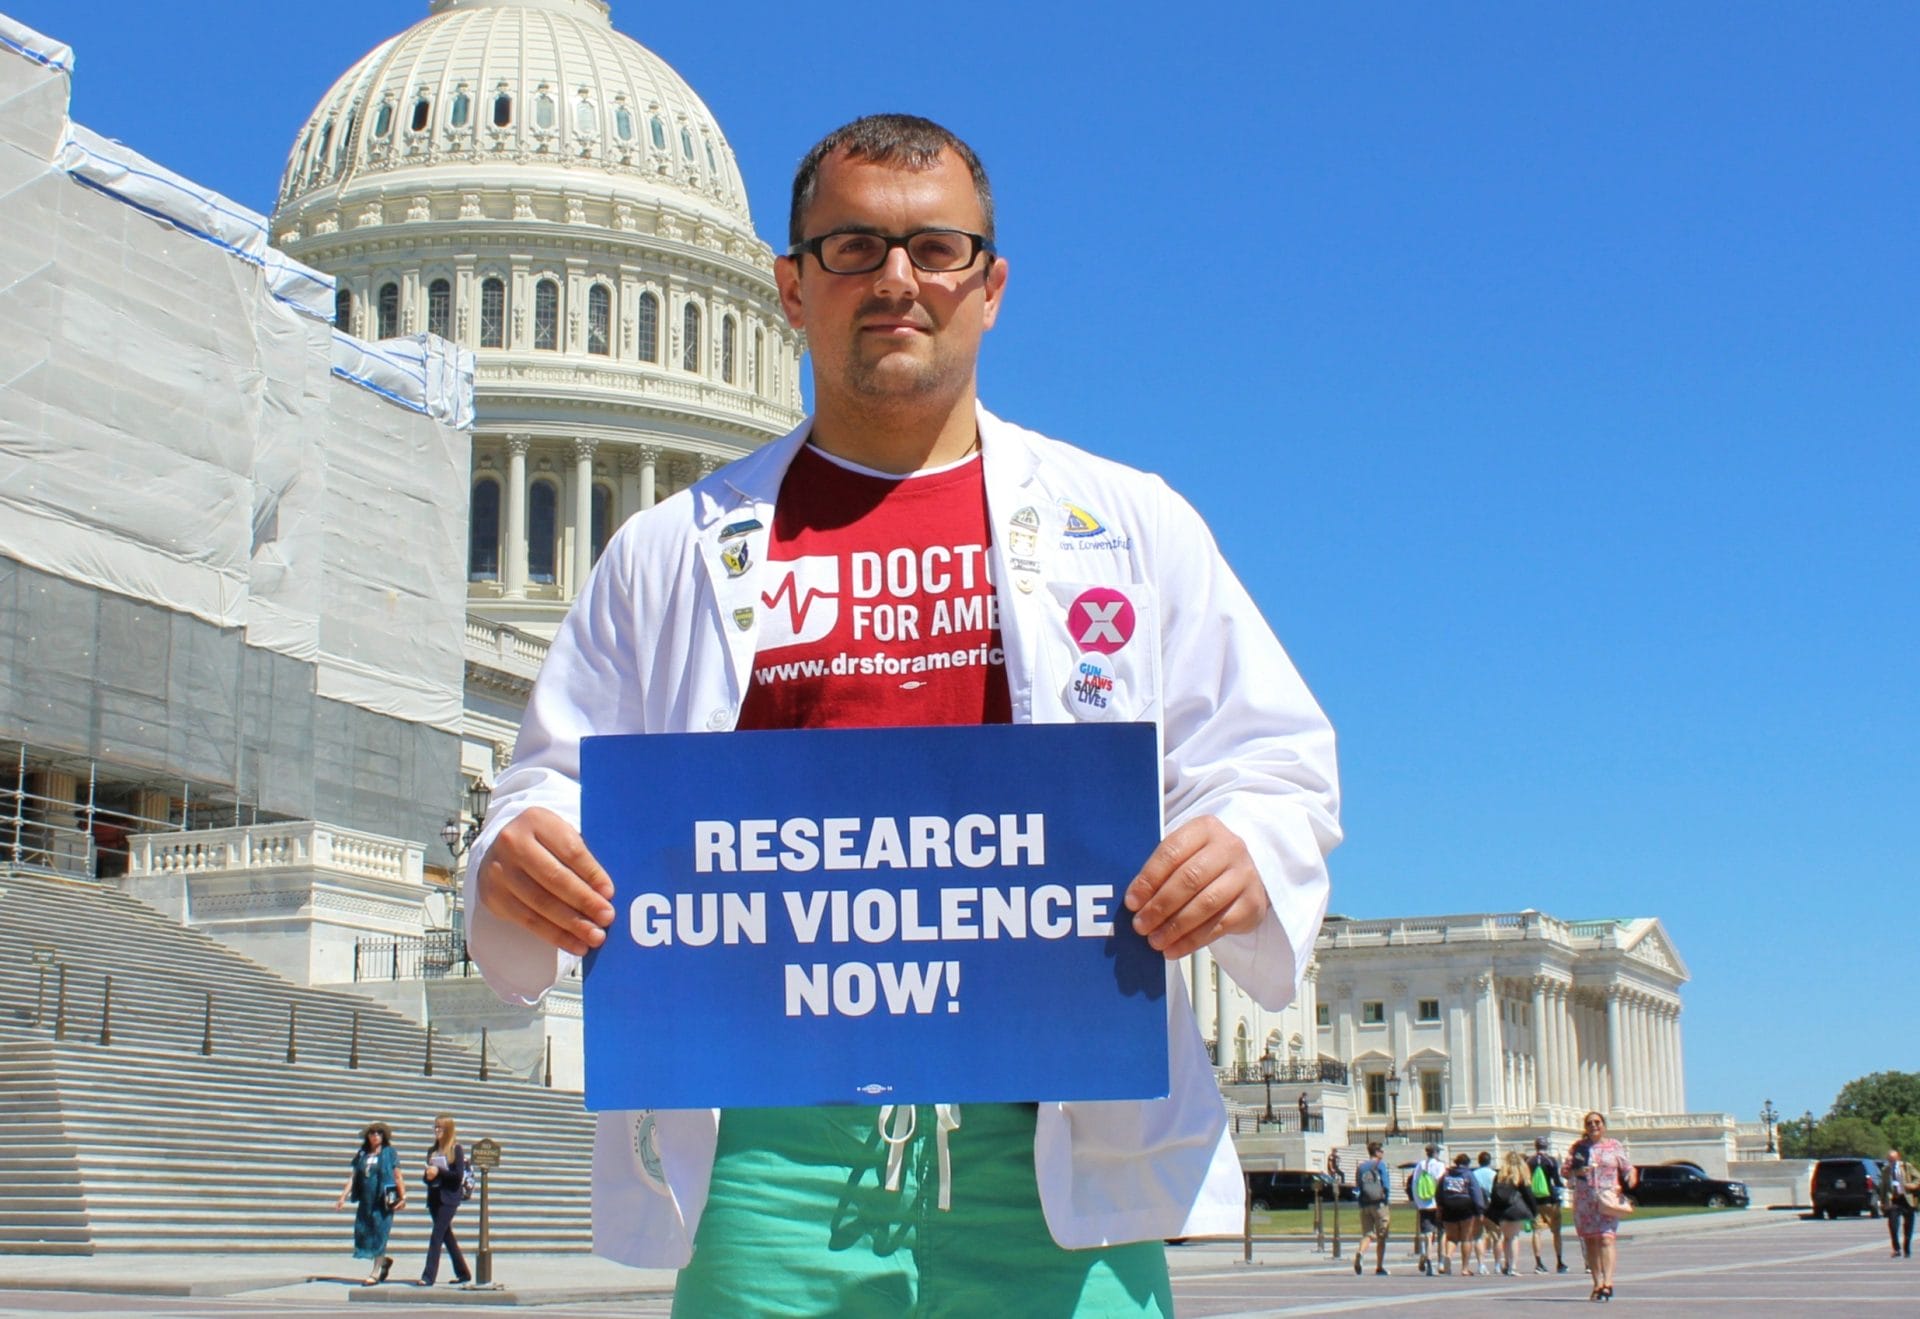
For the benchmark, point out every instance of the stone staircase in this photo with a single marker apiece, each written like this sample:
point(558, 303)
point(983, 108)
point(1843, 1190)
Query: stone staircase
point(145, 1143)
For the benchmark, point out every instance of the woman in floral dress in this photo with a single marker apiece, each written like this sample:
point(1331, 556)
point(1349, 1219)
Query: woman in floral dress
point(1597, 1167)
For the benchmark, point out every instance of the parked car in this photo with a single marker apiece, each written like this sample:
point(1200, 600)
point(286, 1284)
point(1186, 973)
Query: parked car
point(1846, 1186)
point(1685, 1184)
point(1287, 1189)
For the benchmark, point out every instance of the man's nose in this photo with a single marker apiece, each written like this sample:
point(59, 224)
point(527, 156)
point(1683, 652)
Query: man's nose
point(896, 276)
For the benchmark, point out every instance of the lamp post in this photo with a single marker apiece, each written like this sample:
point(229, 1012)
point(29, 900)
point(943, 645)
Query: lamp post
point(1768, 1116)
point(1267, 1063)
point(1393, 1101)
point(1806, 1133)
point(459, 837)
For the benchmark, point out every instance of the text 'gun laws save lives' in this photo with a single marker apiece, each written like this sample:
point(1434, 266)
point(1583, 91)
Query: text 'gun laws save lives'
point(910, 915)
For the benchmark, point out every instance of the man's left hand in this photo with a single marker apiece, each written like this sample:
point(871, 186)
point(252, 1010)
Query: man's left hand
point(1198, 885)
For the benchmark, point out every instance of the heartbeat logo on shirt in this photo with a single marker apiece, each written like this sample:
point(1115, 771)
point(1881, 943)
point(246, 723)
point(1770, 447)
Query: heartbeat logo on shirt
point(809, 588)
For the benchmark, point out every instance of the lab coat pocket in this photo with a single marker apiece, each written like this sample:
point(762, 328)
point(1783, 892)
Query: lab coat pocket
point(1108, 636)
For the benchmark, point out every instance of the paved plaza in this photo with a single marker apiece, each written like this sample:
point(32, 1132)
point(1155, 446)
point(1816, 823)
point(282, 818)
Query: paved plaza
point(1763, 1264)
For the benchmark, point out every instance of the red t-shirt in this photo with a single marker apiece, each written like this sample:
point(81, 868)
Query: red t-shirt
point(878, 608)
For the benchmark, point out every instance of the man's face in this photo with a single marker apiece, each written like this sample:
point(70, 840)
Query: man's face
point(896, 333)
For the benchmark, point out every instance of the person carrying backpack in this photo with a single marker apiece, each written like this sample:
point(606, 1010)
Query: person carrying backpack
point(1421, 1184)
point(1510, 1207)
point(1549, 1192)
point(1461, 1202)
point(1371, 1182)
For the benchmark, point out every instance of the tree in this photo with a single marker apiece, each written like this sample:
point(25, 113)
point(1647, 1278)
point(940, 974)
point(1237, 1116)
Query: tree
point(1879, 1097)
point(1848, 1135)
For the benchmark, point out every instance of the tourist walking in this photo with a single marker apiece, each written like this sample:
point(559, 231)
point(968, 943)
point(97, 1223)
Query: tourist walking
point(1510, 1207)
point(375, 1188)
point(1371, 1182)
point(1899, 1195)
point(1486, 1237)
point(1461, 1202)
point(1599, 1172)
point(446, 1175)
point(1549, 1193)
point(1421, 1184)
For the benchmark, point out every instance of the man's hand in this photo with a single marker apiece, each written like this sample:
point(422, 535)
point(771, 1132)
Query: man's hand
point(539, 875)
point(1198, 885)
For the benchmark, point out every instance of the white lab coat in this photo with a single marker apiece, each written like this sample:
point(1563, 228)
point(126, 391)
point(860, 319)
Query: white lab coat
point(652, 645)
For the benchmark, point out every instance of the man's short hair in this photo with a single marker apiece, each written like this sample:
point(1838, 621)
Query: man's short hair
point(1373, 1148)
point(886, 139)
point(1432, 1150)
point(1539, 1142)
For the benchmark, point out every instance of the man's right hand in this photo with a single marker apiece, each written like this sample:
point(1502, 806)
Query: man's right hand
point(539, 875)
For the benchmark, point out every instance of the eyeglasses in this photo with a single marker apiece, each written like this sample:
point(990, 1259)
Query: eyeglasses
point(936, 251)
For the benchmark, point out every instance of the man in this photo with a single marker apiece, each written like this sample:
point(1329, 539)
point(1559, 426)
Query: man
point(1545, 1170)
point(1371, 1181)
point(1422, 1183)
point(1488, 1236)
point(1899, 1193)
point(1064, 564)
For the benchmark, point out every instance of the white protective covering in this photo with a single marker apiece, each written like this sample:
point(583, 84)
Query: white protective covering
point(180, 423)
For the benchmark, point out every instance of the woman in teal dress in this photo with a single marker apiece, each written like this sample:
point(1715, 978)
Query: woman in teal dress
point(377, 1192)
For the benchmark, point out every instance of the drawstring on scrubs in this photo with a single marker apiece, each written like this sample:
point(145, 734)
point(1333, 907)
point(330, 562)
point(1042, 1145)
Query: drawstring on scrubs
point(946, 1118)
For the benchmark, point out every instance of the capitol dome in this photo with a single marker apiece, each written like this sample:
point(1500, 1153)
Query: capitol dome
point(541, 84)
point(519, 177)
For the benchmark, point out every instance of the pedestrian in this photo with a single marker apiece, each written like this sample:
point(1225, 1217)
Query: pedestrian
point(894, 275)
point(1598, 1170)
point(1371, 1181)
point(1510, 1206)
point(1549, 1193)
point(1487, 1233)
point(1422, 1183)
point(1303, 1110)
point(377, 1193)
point(1461, 1204)
point(446, 1176)
point(1899, 1194)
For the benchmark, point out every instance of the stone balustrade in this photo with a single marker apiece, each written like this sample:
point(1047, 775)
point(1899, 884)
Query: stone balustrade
point(294, 844)
point(504, 646)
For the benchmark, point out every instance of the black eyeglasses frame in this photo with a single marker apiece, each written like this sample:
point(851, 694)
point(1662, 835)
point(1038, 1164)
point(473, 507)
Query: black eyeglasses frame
point(980, 243)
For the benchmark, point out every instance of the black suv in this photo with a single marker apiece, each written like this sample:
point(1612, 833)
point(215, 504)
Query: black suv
point(1684, 1184)
point(1287, 1189)
point(1846, 1186)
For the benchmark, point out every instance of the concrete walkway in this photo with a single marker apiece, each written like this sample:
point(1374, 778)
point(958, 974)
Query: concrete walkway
point(573, 1279)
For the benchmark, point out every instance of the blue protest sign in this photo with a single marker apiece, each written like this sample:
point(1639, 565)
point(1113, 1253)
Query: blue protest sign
point(902, 915)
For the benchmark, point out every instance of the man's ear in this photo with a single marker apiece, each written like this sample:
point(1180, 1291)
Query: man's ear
point(996, 287)
point(786, 277)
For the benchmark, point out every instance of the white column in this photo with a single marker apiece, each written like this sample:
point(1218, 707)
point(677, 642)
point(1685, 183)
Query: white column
point(1486, 1045)
point(582, 513)
point(1541, 1050)
point(516, 546)
point(1616, 1052)
point(649, 464)
point(1679, 1065)
point(1223, 1051)
point(1569, 1050)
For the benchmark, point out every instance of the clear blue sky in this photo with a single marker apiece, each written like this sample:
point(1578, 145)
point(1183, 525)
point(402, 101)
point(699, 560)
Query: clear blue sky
point(1551, 373)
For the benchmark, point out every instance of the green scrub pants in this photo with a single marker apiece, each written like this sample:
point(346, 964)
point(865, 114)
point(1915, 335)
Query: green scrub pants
point(799, 1223)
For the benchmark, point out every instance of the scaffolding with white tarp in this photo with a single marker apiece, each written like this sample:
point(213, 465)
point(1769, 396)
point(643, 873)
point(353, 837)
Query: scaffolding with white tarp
point(232, 539)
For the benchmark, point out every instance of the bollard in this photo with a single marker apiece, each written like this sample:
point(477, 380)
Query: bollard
point(353, 1049)
point(483, 1053)
point(1319, 1223)
point(206, 1029)
point(428, 1069)
point(1336, 1220)
point(60, 1007)
point(549, 1062)
point(106, 1012)
point(293, 1033)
